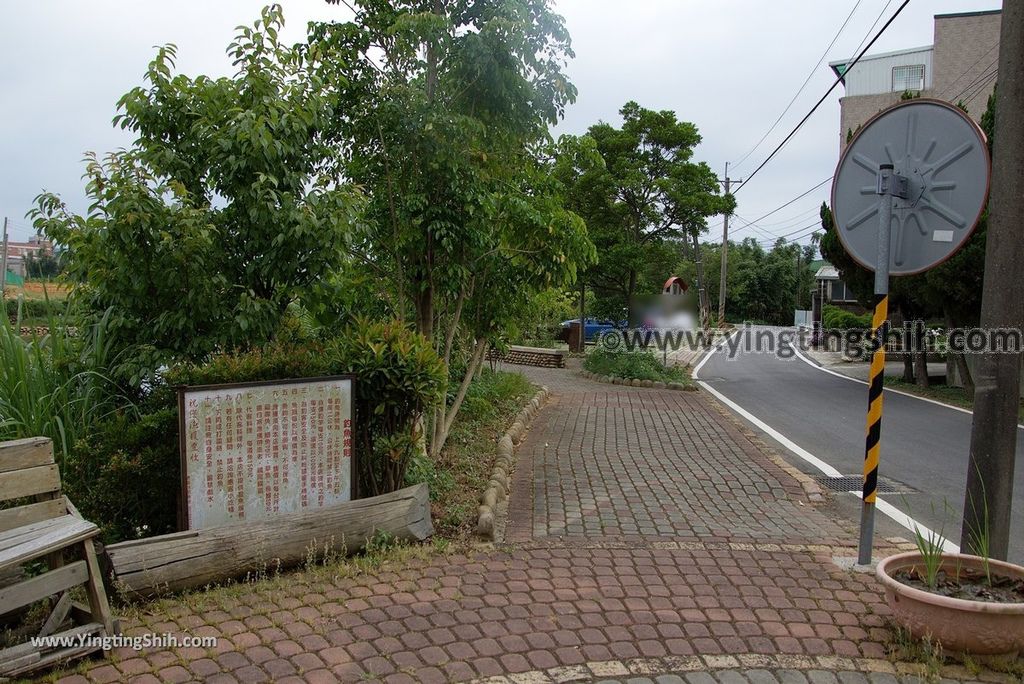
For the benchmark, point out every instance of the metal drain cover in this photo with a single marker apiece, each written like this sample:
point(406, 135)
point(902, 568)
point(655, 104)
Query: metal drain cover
point(854, 483)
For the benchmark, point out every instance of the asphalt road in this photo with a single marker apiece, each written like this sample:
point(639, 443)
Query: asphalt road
point(924, 445)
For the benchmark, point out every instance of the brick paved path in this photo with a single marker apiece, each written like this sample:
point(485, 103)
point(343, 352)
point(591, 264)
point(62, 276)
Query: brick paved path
point(611, 461)
point(647, 535)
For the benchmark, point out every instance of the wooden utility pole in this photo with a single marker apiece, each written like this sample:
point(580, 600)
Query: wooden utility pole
point(725, 252)
point(997, 382)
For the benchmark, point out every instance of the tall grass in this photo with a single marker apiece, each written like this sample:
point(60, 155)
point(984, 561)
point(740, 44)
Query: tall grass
point(56, 385)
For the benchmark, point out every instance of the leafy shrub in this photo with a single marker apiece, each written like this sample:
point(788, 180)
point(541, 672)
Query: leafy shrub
point(400, 377)
point(464, 465)
point(124, 475)
point(33, 308)
point(834, 318)
point(634, 365)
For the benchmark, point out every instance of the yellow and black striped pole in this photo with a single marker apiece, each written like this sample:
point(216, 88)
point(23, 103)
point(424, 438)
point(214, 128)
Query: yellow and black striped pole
point(876, 381)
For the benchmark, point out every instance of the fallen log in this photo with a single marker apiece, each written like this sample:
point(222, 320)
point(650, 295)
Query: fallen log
point(145, 568)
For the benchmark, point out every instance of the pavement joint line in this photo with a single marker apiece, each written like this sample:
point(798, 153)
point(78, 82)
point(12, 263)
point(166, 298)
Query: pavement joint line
point(724, 663)
point(664, 545)
point(883, 506)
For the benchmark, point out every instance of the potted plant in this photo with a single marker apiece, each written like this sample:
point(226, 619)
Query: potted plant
point(969, 604)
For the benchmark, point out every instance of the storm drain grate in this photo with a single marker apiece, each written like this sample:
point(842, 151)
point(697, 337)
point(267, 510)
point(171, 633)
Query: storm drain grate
point(854, 483)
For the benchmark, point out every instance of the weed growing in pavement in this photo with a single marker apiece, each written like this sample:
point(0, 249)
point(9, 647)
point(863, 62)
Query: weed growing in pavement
point(903, 646)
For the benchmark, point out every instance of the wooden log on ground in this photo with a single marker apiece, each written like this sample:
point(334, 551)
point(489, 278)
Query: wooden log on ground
point(183, 560)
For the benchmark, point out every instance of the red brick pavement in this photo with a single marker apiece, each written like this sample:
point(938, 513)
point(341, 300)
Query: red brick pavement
point(604, 460)
point(643, 525)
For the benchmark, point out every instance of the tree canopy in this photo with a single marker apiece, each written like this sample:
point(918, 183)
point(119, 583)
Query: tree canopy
point(223, 210)
point(645, 201)
point(447, 130)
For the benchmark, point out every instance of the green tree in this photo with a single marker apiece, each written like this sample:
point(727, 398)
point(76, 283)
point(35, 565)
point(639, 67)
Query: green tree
point(646, 201)
point(43, 264)
point(766, 286)
point(226, 207)
point(446, 127)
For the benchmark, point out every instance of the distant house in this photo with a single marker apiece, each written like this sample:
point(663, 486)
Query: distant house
point(960, 67)
point(18, 253)
point(829, 289)
point(832, 290)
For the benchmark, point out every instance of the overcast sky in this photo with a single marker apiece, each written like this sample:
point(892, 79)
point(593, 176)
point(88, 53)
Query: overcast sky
point(731, 67)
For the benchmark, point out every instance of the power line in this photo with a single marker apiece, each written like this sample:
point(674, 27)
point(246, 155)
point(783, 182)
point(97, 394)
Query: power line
point(825, 96)
point(804, 85)
point(953, 83)
point(795, 218)
point(873, 25)
point(807, 230)
point(976, 86)
point(786, 204)
point(760, 230)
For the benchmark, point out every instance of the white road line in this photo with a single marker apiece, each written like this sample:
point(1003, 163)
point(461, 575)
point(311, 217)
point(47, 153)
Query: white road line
point(708, 353)
point(883, 506)
point(812, 364)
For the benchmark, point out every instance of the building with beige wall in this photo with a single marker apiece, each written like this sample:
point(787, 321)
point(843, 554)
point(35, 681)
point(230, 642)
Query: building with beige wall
point(960, 67)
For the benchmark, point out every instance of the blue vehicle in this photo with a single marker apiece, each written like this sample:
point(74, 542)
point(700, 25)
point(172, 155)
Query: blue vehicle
point(592, 327)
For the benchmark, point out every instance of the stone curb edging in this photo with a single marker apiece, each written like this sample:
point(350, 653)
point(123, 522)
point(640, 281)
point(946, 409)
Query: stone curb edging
point(626, 382)
point(500, 482)
point(740, 662)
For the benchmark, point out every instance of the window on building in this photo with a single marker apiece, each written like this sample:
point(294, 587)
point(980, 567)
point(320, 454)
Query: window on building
point(909, 77)
point(839, 292)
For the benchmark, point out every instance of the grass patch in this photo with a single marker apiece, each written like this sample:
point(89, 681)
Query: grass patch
point(634, 365)
point(464, 467)
point(931, 658)
point(954, 396)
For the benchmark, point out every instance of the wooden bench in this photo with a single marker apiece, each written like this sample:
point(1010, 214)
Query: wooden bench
point(41, 523)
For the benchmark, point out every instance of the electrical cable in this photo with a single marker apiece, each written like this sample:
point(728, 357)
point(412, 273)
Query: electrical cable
point(949, 88)
point(801, 89)
point(786, 204)
point(824, 97)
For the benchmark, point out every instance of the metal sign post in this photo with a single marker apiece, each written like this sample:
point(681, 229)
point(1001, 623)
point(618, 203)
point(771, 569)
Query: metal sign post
point(922, 166)
point(889, 185)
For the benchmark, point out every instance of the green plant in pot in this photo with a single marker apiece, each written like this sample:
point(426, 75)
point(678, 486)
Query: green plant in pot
point(970, 604)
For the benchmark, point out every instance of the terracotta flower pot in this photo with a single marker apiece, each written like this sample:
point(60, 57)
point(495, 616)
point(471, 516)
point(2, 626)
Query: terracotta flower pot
point(976, 627)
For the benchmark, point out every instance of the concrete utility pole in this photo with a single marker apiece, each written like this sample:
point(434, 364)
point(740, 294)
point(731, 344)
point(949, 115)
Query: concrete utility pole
point(702, 290)
point(997, 381)
point(725, 252)
point(3, 263)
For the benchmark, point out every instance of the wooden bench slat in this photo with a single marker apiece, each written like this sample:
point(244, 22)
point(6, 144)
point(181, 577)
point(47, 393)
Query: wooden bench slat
point(25, 453)
point(47, 584)
point(12, 518)
point(16, 536)
point(25, 657)
point(16, 484)
point(72, 531)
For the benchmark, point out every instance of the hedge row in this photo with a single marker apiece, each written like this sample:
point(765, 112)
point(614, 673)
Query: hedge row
point(834, 318)
point(34, 308)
